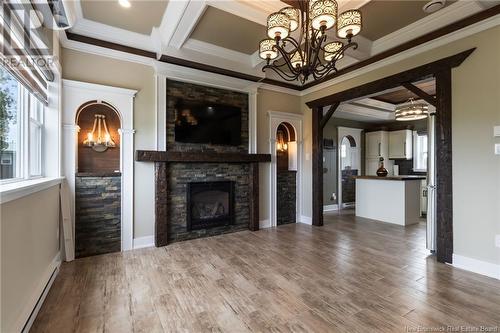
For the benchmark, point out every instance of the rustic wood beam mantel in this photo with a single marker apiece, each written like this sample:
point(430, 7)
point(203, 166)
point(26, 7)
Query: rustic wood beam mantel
point(199, 157)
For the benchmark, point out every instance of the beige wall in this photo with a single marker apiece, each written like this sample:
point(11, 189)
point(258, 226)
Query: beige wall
point(29, 231)
point(101, 70)
point(476, 109)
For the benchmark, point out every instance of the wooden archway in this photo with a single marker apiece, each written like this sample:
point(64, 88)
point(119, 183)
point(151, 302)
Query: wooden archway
point(441, 71)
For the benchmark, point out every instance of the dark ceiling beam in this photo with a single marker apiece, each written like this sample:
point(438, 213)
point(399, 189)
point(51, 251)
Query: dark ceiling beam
point(328, 115)
point(420, 93)
point(293, 3)
point(393, 81)
point(463, 23)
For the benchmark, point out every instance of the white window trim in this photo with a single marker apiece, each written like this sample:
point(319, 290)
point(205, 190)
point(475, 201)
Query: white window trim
point(19, 189)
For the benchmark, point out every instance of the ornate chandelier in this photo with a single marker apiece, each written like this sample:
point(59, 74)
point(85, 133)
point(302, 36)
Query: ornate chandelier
point(307, 53)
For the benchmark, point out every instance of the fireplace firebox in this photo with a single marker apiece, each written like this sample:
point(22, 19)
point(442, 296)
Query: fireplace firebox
point(210, 204)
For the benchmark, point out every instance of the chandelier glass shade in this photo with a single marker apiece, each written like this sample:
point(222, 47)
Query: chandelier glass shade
point(411, 110)
point(308, 51)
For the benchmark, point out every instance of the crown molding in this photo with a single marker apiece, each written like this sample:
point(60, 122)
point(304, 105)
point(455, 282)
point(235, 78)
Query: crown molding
point(98, 87)
point(218, 51)
point(188, 21)
point(439, 19)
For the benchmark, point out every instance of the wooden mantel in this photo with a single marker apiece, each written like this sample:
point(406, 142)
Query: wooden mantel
point(162, 159)
point(199, 157)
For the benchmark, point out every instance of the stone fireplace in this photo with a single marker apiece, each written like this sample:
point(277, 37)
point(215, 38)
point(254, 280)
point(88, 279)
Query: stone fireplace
point(204, 189)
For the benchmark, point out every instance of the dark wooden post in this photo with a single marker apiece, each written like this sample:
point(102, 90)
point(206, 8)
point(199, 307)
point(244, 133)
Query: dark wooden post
point(444, 195)
point(317, 167)
point(161, 204)
point(254, 201)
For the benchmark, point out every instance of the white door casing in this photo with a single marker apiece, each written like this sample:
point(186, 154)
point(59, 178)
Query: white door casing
point(296, 120)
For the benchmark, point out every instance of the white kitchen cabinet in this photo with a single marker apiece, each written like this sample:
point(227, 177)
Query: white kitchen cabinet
point(400, 144)
point(376, 144)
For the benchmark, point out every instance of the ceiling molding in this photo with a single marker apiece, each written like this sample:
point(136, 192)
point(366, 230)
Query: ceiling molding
point(170, 21)
point(485, 20)
point(256, 11)
point(222, 52)
point(190, 17)
point(439, 19)
point(347, 109)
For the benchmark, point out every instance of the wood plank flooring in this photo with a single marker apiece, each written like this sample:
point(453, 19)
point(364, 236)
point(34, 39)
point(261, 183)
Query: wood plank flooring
point(351, 275)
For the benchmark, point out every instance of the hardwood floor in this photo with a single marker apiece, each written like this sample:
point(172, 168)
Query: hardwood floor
point(351, 275)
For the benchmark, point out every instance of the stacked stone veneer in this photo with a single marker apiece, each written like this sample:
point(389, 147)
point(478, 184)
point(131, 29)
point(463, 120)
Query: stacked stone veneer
point(286, 198)
point(97, 212)
point(179, 174)
point(203, 94)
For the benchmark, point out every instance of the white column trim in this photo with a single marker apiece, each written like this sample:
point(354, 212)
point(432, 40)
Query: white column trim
point(76, 93)
point(296, 120)
point(252, 121)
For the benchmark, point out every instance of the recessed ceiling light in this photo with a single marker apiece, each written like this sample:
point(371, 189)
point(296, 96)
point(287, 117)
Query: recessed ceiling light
point(124, 3)
point(433, 6)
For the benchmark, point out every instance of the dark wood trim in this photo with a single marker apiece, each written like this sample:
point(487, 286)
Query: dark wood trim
point(393, 81)
point(441, 71)
point(412, 43)
point(388, 53)
point(254, 202)
point(199, 157)
point(328, 115)
point(444, 181)
point(317, 167)
point(177, 61)
point(420, 93)
point(161, 212)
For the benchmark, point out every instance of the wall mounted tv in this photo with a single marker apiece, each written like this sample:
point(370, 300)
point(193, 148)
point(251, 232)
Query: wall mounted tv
point(204, 122)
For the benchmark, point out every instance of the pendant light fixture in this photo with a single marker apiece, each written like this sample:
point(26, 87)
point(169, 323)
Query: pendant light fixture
point(411, 110)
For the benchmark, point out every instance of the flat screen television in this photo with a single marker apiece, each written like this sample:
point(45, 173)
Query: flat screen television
point(204, 122)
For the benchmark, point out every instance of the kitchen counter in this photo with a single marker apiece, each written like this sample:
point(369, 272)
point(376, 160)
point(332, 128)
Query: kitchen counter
point(392, 199)
point(407, 177)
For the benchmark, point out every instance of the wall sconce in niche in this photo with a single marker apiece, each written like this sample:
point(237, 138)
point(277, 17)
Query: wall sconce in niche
point(281, 145)
point(98, 140)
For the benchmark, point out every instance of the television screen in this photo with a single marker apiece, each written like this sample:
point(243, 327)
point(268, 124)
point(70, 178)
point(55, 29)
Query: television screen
point(207, 123)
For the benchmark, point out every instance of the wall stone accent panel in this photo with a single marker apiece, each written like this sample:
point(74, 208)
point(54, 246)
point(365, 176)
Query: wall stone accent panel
point(286, 199)
point(98, 216)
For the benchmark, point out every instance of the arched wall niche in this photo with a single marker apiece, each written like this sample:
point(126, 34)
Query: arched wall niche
point(89, 160)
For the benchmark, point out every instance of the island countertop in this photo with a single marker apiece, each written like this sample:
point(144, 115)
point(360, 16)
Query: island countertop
point(407, 177)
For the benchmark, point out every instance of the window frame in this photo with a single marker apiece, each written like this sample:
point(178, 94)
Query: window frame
point(26, 101)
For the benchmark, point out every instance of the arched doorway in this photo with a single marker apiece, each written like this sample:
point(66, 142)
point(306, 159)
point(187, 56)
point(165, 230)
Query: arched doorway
point(349, 165)
point(286, 174)
point(98, 180)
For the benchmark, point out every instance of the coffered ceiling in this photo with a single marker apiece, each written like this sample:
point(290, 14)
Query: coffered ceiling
point(141, 17)
point(226, 33)
point(229, 31)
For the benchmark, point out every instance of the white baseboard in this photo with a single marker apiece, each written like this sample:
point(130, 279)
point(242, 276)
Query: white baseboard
point(33, 307)
point(476, 266)
point(264, 224)
point(330, 208)
point(142, 242)
point(305, 219)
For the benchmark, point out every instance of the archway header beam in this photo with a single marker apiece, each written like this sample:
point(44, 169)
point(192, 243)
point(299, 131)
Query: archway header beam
point(392, 81)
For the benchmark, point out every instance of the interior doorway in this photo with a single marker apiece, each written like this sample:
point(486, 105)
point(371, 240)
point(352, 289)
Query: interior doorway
point(349, 165)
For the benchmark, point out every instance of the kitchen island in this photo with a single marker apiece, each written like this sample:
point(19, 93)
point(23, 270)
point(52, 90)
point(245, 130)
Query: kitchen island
point(391, 199)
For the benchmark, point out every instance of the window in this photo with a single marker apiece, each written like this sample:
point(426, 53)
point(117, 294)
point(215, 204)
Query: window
point(21, 131)
point(420, 152)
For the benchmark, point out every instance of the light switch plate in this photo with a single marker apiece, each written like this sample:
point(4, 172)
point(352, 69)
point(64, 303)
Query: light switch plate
point(496, 131)
point(497, 148)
